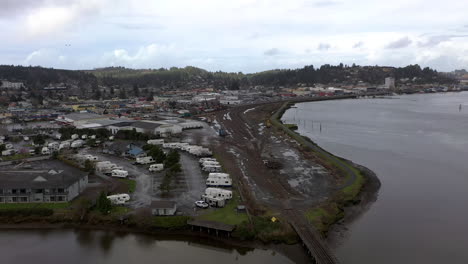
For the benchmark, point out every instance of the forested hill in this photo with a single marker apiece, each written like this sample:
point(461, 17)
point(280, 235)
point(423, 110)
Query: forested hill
point(37, 77)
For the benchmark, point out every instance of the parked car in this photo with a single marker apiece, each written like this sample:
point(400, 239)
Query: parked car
point(201, 204)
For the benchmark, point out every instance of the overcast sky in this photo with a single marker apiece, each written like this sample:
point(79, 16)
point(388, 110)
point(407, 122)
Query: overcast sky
point(234, 35)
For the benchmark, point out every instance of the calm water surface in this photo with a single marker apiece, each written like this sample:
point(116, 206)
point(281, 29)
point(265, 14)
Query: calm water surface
point(74, 247)
point(418, 146)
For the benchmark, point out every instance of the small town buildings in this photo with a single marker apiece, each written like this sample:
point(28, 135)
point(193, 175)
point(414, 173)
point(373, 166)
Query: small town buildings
point(163, 208)
point(50, 181)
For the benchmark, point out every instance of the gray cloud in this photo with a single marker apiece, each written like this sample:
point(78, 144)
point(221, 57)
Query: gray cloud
point(272, 52)
point(358, 45)
point(436, 40)
point(398, 44)
point(324, 46)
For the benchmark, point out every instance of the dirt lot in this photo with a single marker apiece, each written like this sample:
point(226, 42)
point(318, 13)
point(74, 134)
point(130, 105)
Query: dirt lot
point(299, 182)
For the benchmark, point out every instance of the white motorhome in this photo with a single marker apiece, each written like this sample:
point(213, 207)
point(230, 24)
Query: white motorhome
point(77, 143)
point(145, 160)
point(155, 142)
point(106, 167)
point(210, 163)
point(45, 151)
point(53, 145)
point(74, 136)
point(8, 152)
point(219, 193)
point(91, 157)
point(156, 167)
point(214, 168)
point(64, 145)
point(214, 201)
point(206, 159)
point(119, 173)
point(201, 152)
point(219, 181)
point(119, 199)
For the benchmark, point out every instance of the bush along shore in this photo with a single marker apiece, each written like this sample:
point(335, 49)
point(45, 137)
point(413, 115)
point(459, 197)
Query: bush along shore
point(352, 181)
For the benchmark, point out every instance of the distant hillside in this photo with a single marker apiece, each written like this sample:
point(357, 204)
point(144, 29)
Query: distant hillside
point(192, 77)
point(38, 77)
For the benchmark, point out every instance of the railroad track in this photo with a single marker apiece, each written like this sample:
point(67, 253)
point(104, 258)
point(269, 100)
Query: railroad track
point(244, 136)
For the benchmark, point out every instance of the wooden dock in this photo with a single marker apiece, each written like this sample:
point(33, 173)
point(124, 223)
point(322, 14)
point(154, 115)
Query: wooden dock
point(310, 238)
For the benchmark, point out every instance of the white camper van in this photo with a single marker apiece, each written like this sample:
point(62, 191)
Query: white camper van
point(53, 145)
point(64, 145)
point(45, 151)
point(210, 163)
point(119, 199)
point(212, 168)
point(119, 173)
point(219, 181)
point(145, 160)
point(214, 201)
point(8, 152)
point(219, 193)
point(206, 159)
point(77, 143)
point(155, 142)
point(156, 167)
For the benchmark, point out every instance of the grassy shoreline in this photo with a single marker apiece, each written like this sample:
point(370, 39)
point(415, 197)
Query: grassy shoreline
point(332, 210)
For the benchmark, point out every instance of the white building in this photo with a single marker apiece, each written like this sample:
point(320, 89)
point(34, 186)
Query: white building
point(389, 83)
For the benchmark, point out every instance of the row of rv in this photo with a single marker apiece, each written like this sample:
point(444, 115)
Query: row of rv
point(111, 169)
point(195, 150)
point(216, 197)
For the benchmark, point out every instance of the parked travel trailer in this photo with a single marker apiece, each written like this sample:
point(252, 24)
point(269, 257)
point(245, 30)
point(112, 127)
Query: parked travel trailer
point(214, 168)
point(91, 158)
point(210, 163)
point(84, 136)
point(214, 201)
point(156, 167)
point(45, 151)
point(93, 137)
point(155, 142)
point(26, 138)
point(8, 152)
point(64, 145)
point(219, 193)
point(206, 159)
point(219, 181)
point(145, 160)
point(201, 152)
point(119, 199)
point(74, 136)
point(119, 173)
point(53, 145)
point(77, 143)
point(106, 167)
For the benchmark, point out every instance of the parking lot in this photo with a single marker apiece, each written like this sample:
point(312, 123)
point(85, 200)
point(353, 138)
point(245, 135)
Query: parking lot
point(188, 186)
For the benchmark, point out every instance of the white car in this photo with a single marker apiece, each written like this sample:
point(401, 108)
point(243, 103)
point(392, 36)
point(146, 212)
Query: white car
point(201, 204)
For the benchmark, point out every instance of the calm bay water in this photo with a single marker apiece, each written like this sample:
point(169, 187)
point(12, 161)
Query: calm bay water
point(418, 147)
point(76, 247)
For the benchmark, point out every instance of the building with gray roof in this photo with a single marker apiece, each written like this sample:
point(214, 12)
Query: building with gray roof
point(50, 181)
